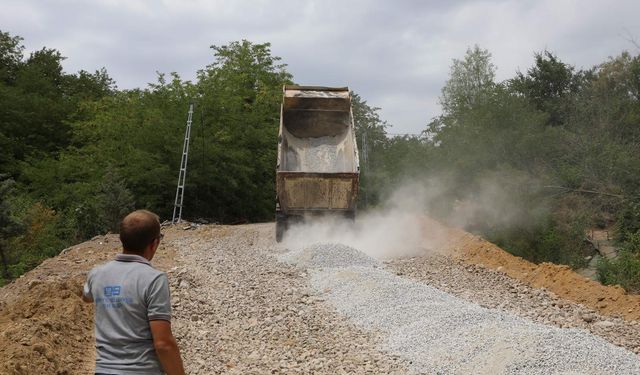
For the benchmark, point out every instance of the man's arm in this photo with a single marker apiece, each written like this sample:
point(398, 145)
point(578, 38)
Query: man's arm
point(166, 347)
point(87, 296)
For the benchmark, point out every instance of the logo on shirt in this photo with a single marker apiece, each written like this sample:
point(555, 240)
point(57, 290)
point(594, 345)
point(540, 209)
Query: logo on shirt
point(112, 290)
point(112, 298)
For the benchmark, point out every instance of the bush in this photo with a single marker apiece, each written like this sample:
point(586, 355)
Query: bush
point(42, 234)
point(625, 269)
point(40, 240)
point(628, 221)
point(545, 242)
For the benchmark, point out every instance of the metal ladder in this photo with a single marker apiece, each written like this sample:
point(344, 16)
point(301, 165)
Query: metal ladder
point(177, 207)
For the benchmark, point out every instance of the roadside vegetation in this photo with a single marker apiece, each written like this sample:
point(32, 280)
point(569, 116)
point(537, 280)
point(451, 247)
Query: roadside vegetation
point(531, 163)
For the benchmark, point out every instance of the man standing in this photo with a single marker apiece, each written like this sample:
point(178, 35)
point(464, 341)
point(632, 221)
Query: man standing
point(133, 306)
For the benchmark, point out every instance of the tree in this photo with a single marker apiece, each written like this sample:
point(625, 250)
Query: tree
point(39, 101)
point(11, 56)
point(90, 86)
point(116, 201)
point(9, 226)
point(550, 84)
point(11, 51)
point(240, 95)
point(137, 135)
point(469, 81)
point(371, 137)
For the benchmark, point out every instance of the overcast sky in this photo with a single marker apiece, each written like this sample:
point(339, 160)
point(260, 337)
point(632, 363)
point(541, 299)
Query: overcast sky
point(395, 54)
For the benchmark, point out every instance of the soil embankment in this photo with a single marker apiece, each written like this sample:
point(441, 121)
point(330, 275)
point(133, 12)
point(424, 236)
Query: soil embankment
point(45, 328)
point(561, 280)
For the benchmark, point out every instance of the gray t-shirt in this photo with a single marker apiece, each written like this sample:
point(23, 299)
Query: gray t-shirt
point(127, 293)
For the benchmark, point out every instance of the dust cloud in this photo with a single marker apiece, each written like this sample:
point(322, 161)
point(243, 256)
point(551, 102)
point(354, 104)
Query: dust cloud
point(403, 225)
point(395, 229)
point(499, 200)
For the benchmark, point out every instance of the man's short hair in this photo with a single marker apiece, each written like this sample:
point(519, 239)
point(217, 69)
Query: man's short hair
point(138, 230)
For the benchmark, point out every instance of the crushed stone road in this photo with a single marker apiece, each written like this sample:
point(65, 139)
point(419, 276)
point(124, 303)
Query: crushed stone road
point(493, 289)
point(239, 311)
point(241, 307)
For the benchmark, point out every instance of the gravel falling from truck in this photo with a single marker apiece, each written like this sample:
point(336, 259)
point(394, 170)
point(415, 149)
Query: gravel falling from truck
point(318, 155)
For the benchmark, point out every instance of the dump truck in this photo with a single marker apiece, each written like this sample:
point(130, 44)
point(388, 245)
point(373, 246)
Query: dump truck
point(317, 172)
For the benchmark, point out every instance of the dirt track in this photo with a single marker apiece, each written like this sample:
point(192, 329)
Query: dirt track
point(237, 310)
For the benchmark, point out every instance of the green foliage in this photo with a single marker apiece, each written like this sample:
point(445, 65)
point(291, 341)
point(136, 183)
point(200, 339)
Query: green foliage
point(31, 233)
point(625, 269)
point(136, 136)
point(546, 234)
point(39, 101)
point(116, 201)
point(547, 184)
point(549, 85)
point(9, 225)
point(234, 150)
point(371, 140)
point(40, 239)
point(469, 81)
point(628, 223)
point(11, 51)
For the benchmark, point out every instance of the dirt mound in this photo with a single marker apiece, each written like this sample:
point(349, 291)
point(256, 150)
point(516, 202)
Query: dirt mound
point(45, 328)
point(561, 280)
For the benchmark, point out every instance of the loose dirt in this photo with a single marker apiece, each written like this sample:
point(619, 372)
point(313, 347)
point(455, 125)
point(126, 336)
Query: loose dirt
point(45, 328)
point(561, 280)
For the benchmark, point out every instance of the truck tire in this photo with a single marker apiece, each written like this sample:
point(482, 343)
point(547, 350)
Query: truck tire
point(350, 215)
point(281, 226)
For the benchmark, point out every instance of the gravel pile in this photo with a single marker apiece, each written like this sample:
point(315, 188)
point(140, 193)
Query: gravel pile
point(439, 333)
point(328, 255)
point(494, 289)
point(237, 310)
